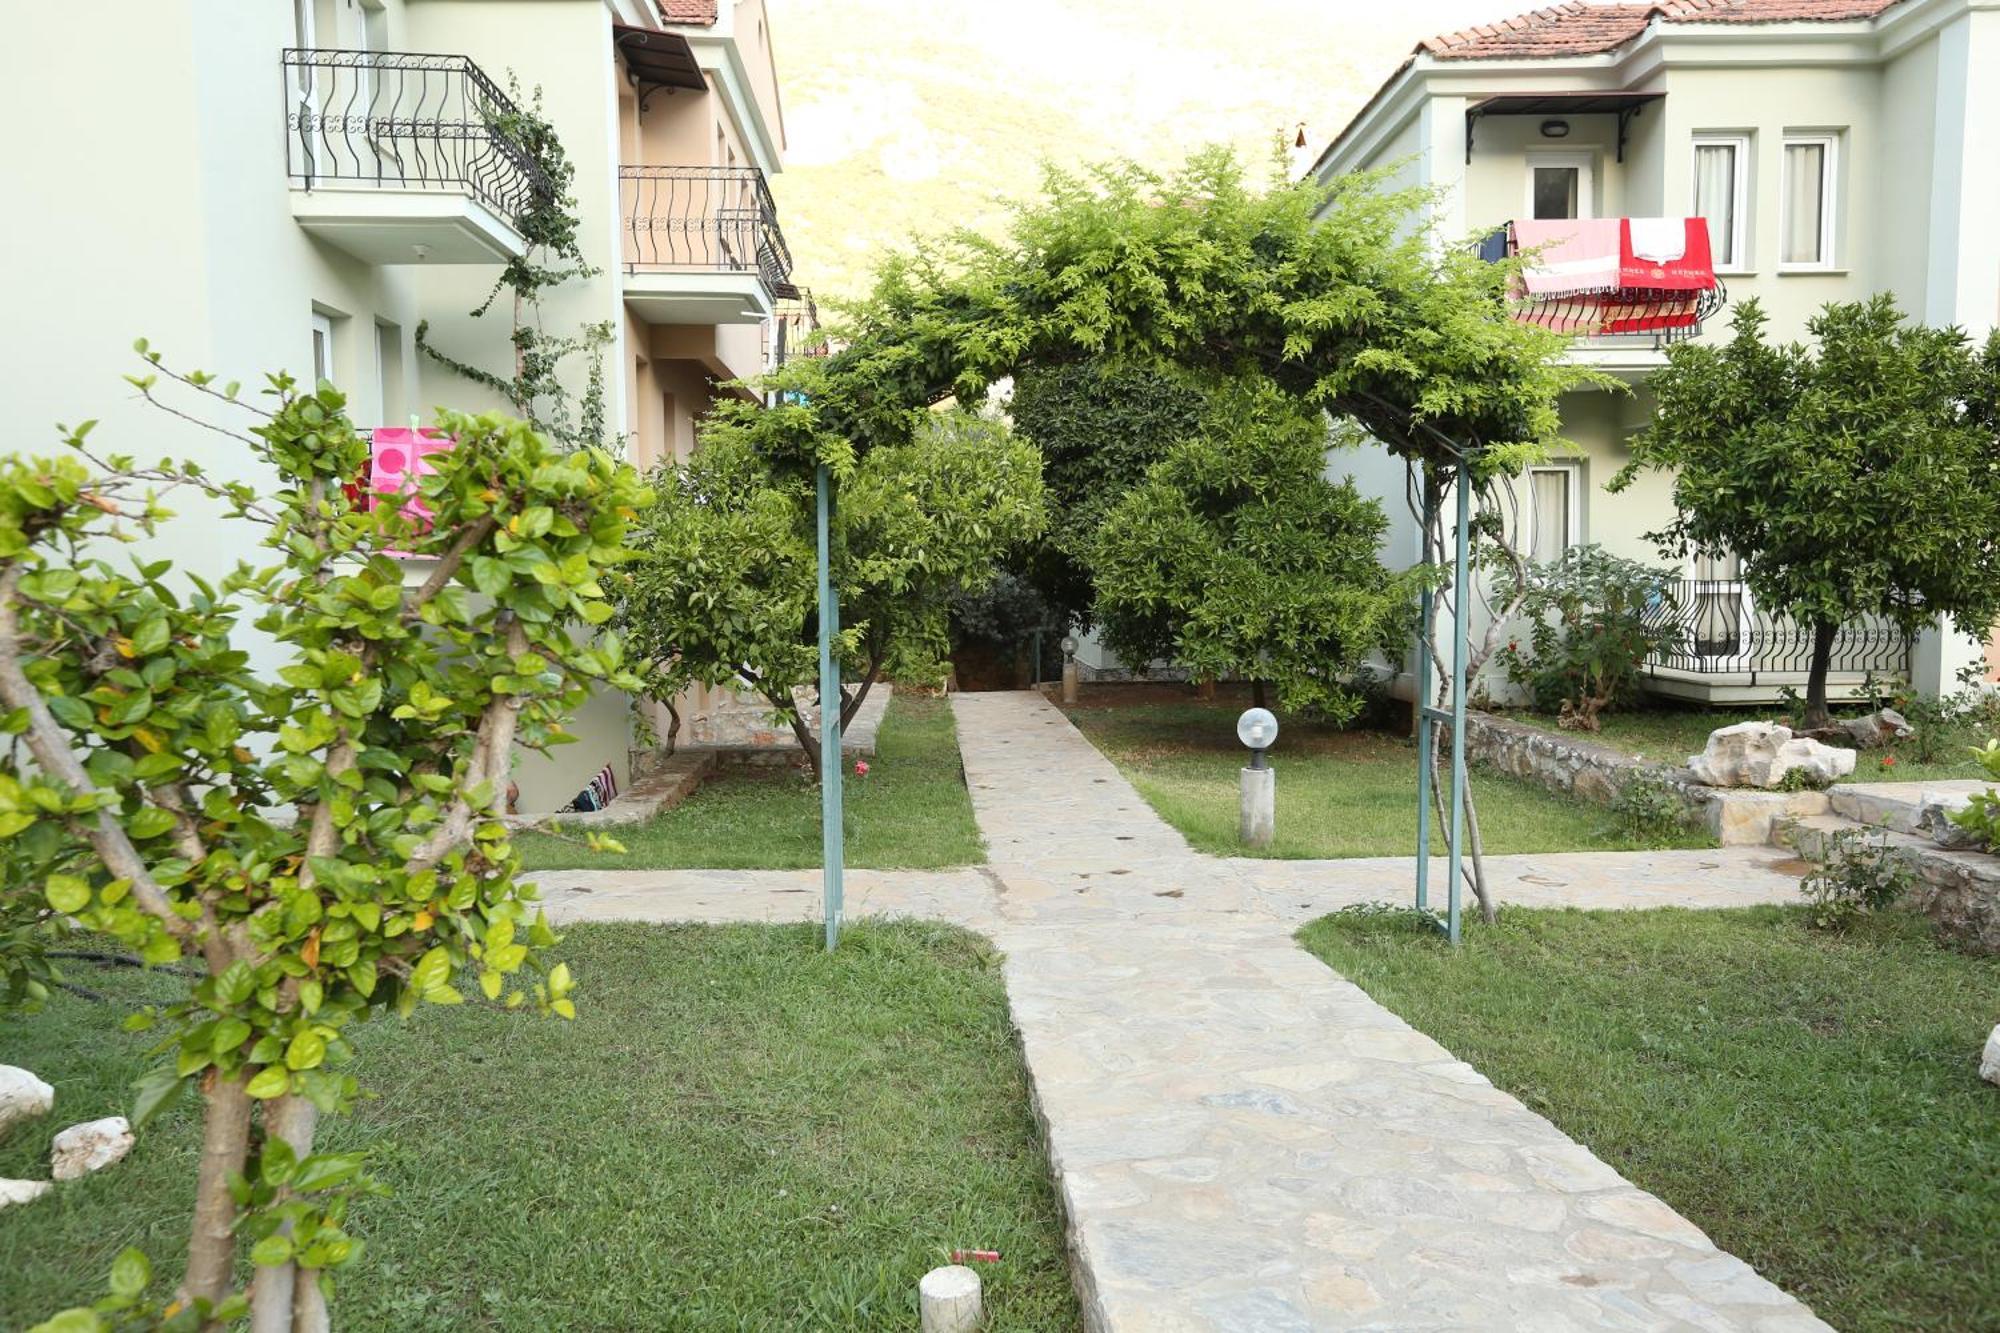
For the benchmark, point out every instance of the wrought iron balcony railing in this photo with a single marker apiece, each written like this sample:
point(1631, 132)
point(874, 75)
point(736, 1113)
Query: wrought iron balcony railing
point(1718, 631)
point(793, 330)
point(703, 220)
point(393, 120)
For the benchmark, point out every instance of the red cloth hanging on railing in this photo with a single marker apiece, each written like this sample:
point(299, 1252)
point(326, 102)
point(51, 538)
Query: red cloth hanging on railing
point(1656, 294)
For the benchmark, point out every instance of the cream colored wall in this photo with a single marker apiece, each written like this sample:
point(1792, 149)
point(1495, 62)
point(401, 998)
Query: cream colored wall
point(197, 249)
point(1767, 104)
point(1496, 180)
point(754, 39)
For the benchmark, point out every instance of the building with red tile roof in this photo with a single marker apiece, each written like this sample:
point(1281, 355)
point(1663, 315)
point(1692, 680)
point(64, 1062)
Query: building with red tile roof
point(1810, 150)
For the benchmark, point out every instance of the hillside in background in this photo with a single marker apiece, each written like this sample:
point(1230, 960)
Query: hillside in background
point(921, 115)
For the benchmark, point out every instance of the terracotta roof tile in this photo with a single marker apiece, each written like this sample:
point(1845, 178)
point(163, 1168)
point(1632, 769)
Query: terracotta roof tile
point(1577, 27)
point(695, 13)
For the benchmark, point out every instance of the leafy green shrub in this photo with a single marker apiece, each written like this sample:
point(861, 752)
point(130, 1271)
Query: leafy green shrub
point(1941, 723)
point(1590, 632)
point(1649, 807)
point(1859, 876)
point(1237, 557)
point(1982, 817)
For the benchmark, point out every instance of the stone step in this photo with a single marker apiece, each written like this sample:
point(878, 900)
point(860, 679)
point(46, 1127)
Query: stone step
point(1957, 889)
point(1896, 806)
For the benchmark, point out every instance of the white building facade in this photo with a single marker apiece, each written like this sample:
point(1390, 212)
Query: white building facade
point(302, 184)
point(1836, 148)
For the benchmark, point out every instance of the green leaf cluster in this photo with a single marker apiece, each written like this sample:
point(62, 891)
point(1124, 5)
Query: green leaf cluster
point(1858, 475)
point(1236, 556)
point(725, 587)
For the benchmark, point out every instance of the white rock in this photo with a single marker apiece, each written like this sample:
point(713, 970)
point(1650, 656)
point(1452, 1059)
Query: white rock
point(1989, 1059)
point(22, 1191)
point(22, 1096)
point(90, 1146)
point(1759, 754)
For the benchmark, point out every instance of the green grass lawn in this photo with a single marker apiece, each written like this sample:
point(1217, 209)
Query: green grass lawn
point(737, 1131)
point(1340, 793)
point(1670, 735)
point(1812, 1101)
point(911, 812)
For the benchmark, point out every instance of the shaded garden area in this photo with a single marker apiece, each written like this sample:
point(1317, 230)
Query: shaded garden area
point(1811, 1100)
point(739, 1130)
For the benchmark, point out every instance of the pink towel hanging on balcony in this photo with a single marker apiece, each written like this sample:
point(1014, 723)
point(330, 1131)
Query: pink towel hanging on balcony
point(1574, 256)
point(399, 459)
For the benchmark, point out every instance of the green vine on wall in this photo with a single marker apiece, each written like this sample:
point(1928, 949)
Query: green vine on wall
point(552, 257)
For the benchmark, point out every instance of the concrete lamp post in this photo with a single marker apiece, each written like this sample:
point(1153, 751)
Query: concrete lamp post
point(1069, 647)
point(1258, 820)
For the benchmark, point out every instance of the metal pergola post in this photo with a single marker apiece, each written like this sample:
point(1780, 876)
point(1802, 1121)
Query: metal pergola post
point(831, 813)
point(1429, 715)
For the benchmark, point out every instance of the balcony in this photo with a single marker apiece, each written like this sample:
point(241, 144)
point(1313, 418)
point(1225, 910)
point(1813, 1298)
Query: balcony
point(702, 245)
point(1726, 649)
point(1623, 305)
point(402, 159)
point(794, 330)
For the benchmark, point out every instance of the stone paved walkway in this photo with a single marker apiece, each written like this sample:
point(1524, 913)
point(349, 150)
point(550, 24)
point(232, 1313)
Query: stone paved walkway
point(1242, 1139)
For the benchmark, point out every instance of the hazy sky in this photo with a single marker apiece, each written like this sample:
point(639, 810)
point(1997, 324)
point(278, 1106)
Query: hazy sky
point(924, 114)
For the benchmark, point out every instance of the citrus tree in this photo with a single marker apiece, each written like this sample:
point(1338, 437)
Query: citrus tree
point(1236, 556)
point(322, 840)
point(725, 587)
point(1856, 476)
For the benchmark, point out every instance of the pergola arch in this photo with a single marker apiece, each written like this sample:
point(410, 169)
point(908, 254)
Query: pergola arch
point(1340, 295)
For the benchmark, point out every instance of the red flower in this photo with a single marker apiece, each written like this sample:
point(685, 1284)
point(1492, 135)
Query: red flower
point(1888, 761)
point(861, 768)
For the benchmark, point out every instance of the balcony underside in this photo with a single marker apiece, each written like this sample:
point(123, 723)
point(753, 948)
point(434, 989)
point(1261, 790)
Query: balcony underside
point(407, 226)
point(699, 298)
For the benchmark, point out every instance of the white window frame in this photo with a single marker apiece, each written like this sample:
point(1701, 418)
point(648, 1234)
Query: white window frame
point(1586, 187)
point(322, 325)
point(1829, 193)
point(1739, 243)
point(1573, 519)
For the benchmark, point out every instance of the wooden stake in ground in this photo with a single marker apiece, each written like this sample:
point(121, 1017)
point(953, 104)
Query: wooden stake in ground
point(949, 1298)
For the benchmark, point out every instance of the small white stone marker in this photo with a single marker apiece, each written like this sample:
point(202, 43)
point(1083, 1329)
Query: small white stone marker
point(1989, 1059)
point(90, 1146)
point(22, 1191)
point(949, 1298)
point(22, 1095)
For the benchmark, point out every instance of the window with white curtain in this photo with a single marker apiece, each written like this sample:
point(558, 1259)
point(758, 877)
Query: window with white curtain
point(1552, 512)
point(1722, 196)
point(1805, 212)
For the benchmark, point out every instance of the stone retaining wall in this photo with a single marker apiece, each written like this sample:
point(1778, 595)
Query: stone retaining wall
point(1959, 890)
point(1570, 764)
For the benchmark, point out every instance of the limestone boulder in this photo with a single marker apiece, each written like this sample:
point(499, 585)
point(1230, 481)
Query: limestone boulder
point(1989, 1059)
point(1760, 754)
point(24, 1191)
point(22, 1096)
point(1877, 729)
point(90, 1146)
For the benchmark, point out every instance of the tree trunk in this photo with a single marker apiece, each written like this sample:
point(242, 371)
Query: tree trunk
point(284, 1298)
point(225, 1139)
point(1817, 713)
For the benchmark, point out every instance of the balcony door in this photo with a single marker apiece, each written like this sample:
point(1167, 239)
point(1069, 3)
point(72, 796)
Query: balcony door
point(1560, 185)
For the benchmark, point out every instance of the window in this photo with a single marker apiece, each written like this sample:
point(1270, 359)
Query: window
point(388, 374)
point(1559, 186)
point(322, 347)
point(1722, 195)
point(1552, 512)
point(1805, 213)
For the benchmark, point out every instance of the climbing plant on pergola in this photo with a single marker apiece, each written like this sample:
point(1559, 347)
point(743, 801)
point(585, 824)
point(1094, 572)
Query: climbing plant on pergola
point(1339, 295)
